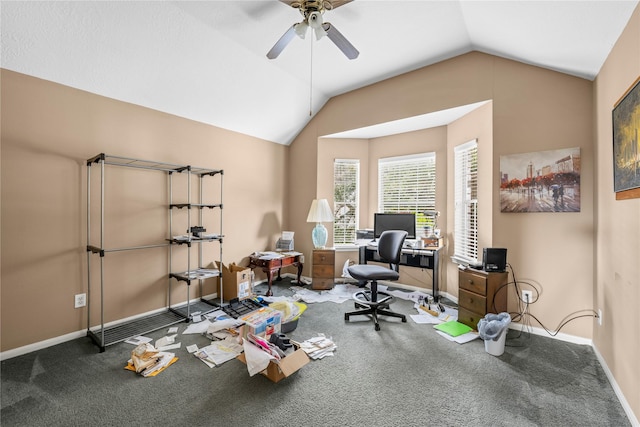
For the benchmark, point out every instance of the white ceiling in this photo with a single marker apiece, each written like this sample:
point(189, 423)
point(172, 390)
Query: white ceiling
point(206, 60)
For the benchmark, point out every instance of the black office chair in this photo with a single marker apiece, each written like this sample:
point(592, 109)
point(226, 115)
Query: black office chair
point(371, 301)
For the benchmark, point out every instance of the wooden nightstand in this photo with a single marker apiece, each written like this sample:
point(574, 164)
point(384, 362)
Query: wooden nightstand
point(323, 268)
point(479, 293)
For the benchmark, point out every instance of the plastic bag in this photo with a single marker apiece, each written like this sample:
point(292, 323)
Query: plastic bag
point(492, 326)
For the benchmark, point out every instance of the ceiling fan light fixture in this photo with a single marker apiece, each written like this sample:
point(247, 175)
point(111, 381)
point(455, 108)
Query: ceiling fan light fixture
point(301, 29)
point(315, 21)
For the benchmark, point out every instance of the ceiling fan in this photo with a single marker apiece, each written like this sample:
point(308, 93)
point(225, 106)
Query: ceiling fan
point(312, 12)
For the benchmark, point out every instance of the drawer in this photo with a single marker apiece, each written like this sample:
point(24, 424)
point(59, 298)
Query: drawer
point(472, 302)
point(323, 257)
point(322, 284)
point(323, 271)
point(472, 282)
point(469, 318)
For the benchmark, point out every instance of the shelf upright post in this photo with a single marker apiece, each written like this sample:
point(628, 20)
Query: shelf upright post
point(170, 179)
point(88, 243)
point(189, 243)
point(221, 238)
point(102, 344)
point(200, 223)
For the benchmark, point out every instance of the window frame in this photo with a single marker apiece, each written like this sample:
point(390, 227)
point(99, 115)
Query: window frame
point(466, 203)
point(422, 188)
point(340, 228)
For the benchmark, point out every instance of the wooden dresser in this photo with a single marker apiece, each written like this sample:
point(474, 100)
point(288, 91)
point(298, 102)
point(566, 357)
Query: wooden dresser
point(479, 293)
point(323, 275)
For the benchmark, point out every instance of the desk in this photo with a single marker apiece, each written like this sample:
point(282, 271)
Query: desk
point(423, 258)
point(271, 265)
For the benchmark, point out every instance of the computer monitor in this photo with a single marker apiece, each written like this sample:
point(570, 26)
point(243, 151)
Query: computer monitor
point(394, 221)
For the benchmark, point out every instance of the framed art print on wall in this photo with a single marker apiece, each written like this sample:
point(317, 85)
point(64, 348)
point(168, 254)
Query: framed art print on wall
point(626, 144)
point(543, 181)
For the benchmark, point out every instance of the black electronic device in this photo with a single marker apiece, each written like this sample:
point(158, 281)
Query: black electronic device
point(494, 259)
point(394, 221)
point(197, 230)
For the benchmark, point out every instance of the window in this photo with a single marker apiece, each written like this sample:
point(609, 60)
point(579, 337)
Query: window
point(346, 193)
point(408, 184)
point(466, 202)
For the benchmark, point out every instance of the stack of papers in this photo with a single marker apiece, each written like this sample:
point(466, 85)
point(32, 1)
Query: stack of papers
point(269, 255)
point(456, 332)
point(318, 347)
point(219, 352)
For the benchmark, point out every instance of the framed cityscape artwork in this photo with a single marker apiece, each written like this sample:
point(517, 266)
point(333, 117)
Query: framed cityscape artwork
point(543, 181)
point(626, 144)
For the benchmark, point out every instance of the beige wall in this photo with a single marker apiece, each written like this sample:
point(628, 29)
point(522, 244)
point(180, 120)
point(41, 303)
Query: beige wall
point(476, 125)
point(368, 152)
point(532, 109)
point(48, 132)
point(617, 228)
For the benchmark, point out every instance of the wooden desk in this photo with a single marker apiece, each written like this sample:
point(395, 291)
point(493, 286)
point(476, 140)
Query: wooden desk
point(271, 265)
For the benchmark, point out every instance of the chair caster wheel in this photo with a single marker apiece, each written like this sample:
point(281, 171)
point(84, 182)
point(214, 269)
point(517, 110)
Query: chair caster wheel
point(377, 327)
point(346, 317)
point(404, 320)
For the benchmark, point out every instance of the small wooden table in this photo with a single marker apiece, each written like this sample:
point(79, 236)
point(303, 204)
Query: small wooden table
point(271, 264)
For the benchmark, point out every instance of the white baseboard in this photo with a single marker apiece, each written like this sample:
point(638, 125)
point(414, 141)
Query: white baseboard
point(82, 333)
point(625, 405)
point(15, 352)
point(559, 336)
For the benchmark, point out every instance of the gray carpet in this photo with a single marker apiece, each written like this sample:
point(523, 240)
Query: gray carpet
point(403, 375)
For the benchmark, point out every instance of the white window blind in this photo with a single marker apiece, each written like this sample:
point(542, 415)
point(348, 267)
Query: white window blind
point(345, 200)
point(466, 202)
point(408, 184)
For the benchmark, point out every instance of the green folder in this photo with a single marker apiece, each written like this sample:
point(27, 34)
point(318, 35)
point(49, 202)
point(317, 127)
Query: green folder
point(453, 328)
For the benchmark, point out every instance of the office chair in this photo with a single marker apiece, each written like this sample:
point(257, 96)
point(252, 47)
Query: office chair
point(371, 301)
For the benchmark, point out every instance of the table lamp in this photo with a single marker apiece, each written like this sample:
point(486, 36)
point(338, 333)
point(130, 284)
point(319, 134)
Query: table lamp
point(319, 213)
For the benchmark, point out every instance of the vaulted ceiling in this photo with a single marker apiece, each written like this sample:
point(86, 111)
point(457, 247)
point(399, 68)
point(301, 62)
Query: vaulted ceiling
point(206, 60)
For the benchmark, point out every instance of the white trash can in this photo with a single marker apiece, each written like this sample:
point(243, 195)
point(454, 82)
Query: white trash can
point(496, 348)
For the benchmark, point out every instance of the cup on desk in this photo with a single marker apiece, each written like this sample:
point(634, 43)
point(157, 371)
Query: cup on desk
point(419, 244)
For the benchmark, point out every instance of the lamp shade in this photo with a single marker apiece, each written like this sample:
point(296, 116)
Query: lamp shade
point(320, 211)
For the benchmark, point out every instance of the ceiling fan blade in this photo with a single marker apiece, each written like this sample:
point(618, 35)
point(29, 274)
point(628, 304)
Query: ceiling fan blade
point(339, 40)
point(282, 43)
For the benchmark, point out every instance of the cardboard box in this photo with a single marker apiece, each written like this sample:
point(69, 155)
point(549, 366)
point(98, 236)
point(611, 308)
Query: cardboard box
point(236, 281)
point(262, 322)
point(285, 367)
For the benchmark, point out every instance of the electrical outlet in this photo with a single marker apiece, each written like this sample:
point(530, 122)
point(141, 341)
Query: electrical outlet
point(599, 317)
point(527, 297)
point(80, 300)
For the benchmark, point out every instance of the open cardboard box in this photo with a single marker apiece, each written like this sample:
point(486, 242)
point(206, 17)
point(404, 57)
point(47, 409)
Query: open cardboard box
point(236, 281)
point(285, 367)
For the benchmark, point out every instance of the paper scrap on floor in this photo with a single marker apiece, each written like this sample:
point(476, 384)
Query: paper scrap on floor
point(424, 317)
point(339, 294)
point(197, 328)
point(318, 347)
point(219, 352)
point(460, 339)
point(138, 340)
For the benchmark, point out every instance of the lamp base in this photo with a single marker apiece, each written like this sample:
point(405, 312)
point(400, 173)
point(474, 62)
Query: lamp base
point(319, 236)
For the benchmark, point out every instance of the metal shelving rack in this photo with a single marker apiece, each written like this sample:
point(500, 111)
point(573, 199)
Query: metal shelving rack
point(201, 306)
point(103, 335)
